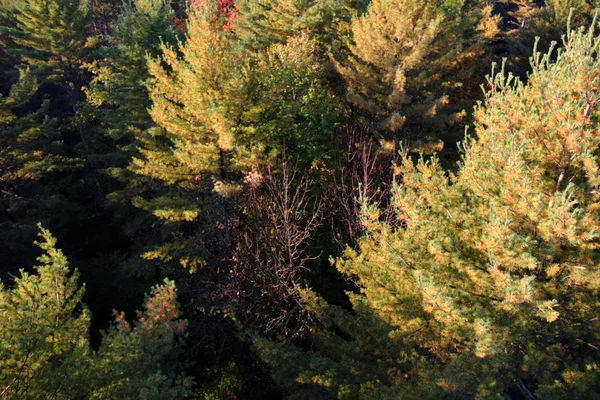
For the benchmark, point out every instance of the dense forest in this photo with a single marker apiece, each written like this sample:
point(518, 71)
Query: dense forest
point(303, 199)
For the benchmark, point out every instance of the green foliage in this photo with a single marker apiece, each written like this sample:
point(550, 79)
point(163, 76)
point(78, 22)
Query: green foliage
point(222, 144)
point(260, 23)
point(58, 49)
point(44, 347)
point(292, 109)
point(43, 178)
point(20, 94)
point(43, 336)
point(104, 12)
point(7, 63)
point(36, 171)
point(31, 143)
point(141, 360)
point(119, 83)
point(225, 387)
point(234, 110)
point(197, 97)
point(485, 284)
point(117, 99)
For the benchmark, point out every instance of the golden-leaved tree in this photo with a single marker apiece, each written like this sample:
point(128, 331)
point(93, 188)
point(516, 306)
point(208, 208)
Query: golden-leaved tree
point(411, 62)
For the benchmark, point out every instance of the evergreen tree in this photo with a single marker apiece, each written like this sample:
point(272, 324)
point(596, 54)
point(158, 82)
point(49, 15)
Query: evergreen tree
point(411, 62)
point(45, 350)
point(484, 286)
point(7, 62)
point(197, 98)
point(291, 108)
point(57, 51)
point(37, 172)
point(117, 104)
point(119, 83)
point(52, 170)
point(104, 13)
point(53, 38)
point(6, 71)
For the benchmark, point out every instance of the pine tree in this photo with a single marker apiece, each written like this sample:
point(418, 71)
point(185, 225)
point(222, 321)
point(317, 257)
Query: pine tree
point(104, 13)
point(197, 98)
point(58, 51)
point(485, 284)
point(292, 108)
point(7, 63)
point(52, 37)
point(37, 171)
point(44, 344)
point(410, 63)
point(53, 175)
point(118, 86)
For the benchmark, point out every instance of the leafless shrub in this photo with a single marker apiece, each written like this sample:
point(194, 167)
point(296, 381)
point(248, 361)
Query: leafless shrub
point(280, 216)
point(367, 174)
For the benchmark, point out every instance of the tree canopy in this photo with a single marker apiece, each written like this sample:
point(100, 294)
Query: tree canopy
point(278, 186)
